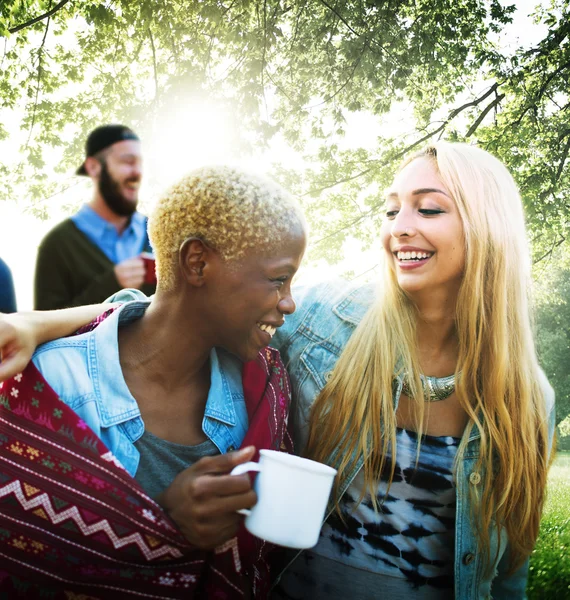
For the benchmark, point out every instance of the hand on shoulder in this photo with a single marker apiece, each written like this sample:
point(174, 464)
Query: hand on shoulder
point(17, 344)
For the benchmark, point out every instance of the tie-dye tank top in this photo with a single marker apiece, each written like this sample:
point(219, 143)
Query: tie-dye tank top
point(405, 550)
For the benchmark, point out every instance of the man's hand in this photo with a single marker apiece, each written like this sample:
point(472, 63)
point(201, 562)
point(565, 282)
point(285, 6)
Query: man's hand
point(130, 272)
point(204, 499)
point(17, 344)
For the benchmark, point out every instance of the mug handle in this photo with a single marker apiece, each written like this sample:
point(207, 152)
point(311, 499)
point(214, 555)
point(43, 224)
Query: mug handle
point(239, 470)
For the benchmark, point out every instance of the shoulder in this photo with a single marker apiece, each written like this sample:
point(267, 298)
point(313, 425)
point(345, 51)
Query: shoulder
point(547, 391)
point(64, 364)
point(326, 309)
point(139, 218)
point(348, 299)
point(4, 270)
point(339, 298)
point(139, 224)
point(128, 295)
point(60, 231)
point(75, 365)
point(549, 403)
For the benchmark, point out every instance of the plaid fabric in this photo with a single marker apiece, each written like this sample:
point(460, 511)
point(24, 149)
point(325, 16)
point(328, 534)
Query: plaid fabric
point(75, 525)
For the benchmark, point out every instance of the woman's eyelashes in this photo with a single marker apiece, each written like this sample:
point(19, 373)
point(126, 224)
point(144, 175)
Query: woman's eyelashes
point(426, 212)
point(279, 280)
point(430, 211)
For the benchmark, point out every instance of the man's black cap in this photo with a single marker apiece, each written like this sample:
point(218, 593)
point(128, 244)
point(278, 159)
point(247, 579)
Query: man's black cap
point(102, 138)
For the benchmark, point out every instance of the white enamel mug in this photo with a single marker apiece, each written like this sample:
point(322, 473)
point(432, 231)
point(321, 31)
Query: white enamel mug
point(292, 496)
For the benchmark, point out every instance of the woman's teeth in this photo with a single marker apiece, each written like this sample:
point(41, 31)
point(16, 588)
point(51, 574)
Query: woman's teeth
point(412, 255)
point(267, 328)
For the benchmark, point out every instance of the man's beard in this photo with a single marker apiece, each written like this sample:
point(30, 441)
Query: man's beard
point(110, 191)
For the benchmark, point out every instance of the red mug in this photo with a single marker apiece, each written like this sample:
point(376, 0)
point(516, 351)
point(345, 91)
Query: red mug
point(149, 267)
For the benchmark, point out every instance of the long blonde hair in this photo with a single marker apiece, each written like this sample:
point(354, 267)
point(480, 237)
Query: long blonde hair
point(353, 417)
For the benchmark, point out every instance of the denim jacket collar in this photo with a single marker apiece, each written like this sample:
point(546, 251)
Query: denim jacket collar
point(114, 399)
point(220, 405)
point(354, 306)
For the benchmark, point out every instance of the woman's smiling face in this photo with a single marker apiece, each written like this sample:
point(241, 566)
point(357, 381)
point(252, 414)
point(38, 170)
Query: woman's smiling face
point(250, 298)
point(422, 232)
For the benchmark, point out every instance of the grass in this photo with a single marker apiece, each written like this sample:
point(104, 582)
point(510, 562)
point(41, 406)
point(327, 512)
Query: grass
point(549, 574)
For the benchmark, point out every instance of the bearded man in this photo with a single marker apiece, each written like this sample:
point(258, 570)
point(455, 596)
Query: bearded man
point(95, 253)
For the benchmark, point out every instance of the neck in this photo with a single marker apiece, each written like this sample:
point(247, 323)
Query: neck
point(99, 205)
point(436, 333)
point(166, 367)
point(164, 347)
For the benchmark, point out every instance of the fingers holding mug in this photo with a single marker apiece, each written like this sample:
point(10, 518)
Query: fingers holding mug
point(204, 499)
point(240, 470)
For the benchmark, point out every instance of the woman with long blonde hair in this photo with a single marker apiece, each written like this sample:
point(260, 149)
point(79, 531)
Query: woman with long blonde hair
point(427, 396)
point(424, 393)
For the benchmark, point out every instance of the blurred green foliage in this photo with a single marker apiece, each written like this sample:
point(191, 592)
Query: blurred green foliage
point(549, 571)
point(553, 338)
point(300, 70)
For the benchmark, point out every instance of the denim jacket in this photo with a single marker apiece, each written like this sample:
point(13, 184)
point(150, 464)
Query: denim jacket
point(310, 343)
point(84, 370)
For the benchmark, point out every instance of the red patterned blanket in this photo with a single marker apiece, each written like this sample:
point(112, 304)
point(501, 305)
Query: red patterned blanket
point(75, 525)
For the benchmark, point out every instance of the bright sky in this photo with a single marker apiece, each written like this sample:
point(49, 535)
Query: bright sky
point(194, 134)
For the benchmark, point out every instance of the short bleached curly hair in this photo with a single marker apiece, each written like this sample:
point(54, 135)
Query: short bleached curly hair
point(233, 211)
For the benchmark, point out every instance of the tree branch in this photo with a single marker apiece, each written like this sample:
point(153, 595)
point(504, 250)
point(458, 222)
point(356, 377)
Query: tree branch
point(410, 147)
point(550, 78)
point(348, 80)
point(333, 10)
point(475, 102)
point(383, 163)
point(39, 81)
point(40, 18)
point(552, 188)
point(155, 71)
point(296, 29)
point(552, 248)
point(375, 208)
point(483, 114)
point(537, 98)
point(563, 159)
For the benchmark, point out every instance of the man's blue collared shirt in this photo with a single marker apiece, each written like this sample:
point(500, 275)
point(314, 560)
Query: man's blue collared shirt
point(117, 247)
point(85, 372)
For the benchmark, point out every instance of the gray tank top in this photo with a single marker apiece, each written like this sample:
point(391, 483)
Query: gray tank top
point(161, 461)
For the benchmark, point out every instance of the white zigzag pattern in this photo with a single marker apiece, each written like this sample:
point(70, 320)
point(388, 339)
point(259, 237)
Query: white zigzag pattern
point(72, 513)
point(110, 457)
point(233, 546)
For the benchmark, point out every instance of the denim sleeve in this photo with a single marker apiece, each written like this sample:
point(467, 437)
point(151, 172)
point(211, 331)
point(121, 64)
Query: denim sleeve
point(509, 586)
